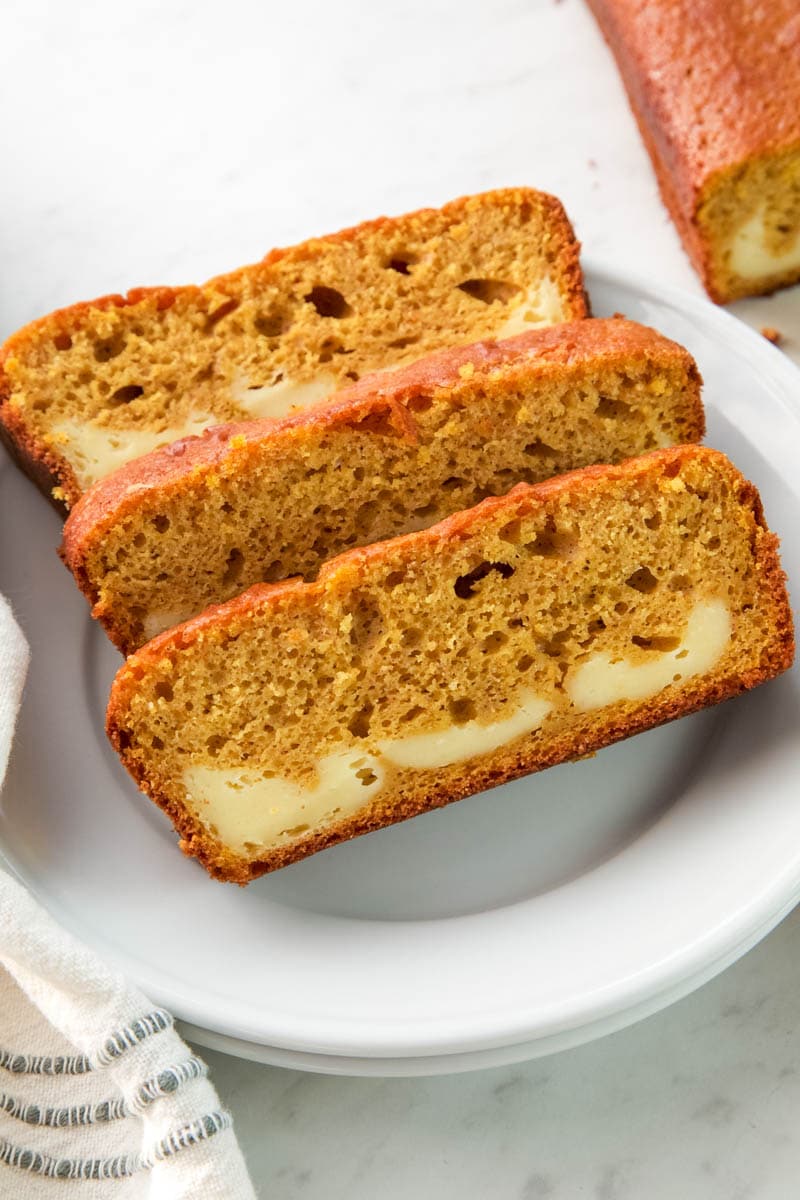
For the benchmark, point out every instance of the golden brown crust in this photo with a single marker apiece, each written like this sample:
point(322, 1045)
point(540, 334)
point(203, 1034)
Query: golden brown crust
point(700, 78)
point(49, 470)
point(389, 396)
point(48, 467)
point(568, 258)
point(521, 499)
point(497, 770)
point(37, 460)
point(525, 756)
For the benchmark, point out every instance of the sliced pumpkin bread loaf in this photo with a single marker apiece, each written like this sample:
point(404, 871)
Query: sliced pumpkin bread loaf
point(532, 629)
point(197, 522)
point(90, 387)
point(715, 88)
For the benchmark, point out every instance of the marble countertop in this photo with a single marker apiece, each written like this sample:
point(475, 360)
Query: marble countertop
point(164, 142)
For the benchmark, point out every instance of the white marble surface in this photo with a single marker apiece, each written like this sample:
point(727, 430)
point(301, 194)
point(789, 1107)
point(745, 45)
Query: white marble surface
point(163, 142)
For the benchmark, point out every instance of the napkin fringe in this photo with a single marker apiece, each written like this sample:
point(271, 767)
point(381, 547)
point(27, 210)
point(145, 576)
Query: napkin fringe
point(131, 1035)
point(120, 1166)
point(63, 1118)
point(44, 1064)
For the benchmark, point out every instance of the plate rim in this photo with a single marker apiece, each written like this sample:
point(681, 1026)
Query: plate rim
point(720, 945)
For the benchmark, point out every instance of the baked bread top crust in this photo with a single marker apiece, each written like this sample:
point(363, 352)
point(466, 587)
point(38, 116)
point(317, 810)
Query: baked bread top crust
point(455, 631)
point(716, 81)
point(201, 520)
point(391, 395)
point(91, 386)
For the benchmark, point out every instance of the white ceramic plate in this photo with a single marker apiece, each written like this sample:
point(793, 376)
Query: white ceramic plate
point(514, 923)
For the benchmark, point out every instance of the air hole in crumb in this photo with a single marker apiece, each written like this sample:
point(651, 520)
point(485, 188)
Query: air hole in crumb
point(157, 743)
point(654, 521)
point(234, 564)
point(224, 310)
point(462, 711)
point(511, 533)
point(274, 571)
point(109, 348)
point(464, 586)
point(124, 395)
point(552, 543)
point(680, 583)
point(420, 404)
point(494, 642)
point(412, 713)
point(539, 449)
point(453, 483)
point(662, 644)
point(606, 407)
point(713, 543)
point(366, 622)
point(401, 265)
point(411, 636)
point(163, 691)
point(394, 578)
point(161, 523)
point(139, 540)
point(642, 580)
point(271, 324)
point(425, 511)
point(376, 422)
point(215, 743)
point(554, 646)
point(359, 725)
point(330, 347)
point(364, 516)
point(62, 341)
point(620, 607)
point(401, 342)
point(489, 291)
point(366, 776)
point(672, 469)
point(328, 302)
point(525, 663)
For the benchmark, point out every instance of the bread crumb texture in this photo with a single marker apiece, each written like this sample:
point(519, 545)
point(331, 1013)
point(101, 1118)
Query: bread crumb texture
point(164, 538)
point(540, 626)
point(88, 388)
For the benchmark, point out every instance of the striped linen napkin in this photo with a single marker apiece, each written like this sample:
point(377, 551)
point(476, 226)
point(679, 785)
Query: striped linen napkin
point(99, 1096)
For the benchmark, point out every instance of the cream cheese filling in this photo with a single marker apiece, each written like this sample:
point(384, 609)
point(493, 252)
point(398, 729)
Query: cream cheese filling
point(96, 450)
point(457, 743)
point(603, 680)
point(162, 618)
point(247, 809)
point(281, 398)
point(750, 256)
point(542, 304)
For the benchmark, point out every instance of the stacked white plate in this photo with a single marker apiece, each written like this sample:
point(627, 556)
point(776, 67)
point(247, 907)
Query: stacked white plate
point(515, 923)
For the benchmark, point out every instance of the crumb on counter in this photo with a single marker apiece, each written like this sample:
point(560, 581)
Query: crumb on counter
point(772, 335)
